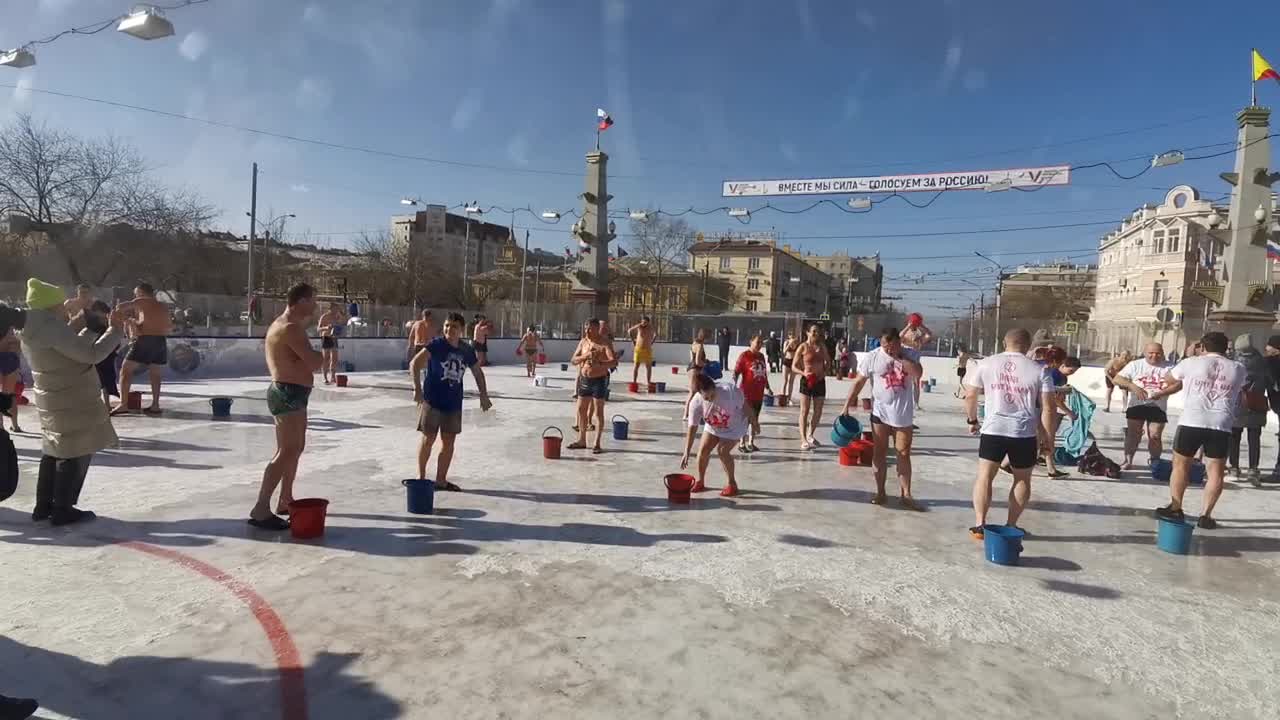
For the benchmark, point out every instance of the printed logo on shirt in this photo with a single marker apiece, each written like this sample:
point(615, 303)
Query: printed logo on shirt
point(1214, 385)
point(452, 369)
point(718, 418)
point(894, 378)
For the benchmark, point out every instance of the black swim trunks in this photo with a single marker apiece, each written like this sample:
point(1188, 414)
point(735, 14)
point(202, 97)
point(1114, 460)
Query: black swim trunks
point(480, 347)
point(148, 350)
point(593, 387)
point(328, 342)
point(813, 386)
point(1188, 441)
point(286, 398)
point(1147, 413)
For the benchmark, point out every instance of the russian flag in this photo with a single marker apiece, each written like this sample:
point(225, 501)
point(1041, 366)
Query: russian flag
point(1273, 251)
point(603, 121)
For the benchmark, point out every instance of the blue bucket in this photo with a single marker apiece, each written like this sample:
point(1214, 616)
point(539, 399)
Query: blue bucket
point(847, 428)
point(1173, 536)
point(1162, 470)
point(1003, 544)
point(620, 427)
point(350, 366)
point(421, 495)
point(839, 440)
point(933, 381)
point(661, 387)
point(221, 407)
point(712, 370)
point(926, 387)
point(768, 401)
point(564, 366)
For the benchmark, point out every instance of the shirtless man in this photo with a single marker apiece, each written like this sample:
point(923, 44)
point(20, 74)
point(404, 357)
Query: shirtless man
point(811, 363)
point(594, 358)
point(1117, 364)
point(916, 336)
point(480, 339)
point(328, 327)
point(788, 360)
point(643, 335)
point(150, 346)
point(79, 304)
point(420, 333)
point(962, 367)
point(530, 344)
point(293, 364)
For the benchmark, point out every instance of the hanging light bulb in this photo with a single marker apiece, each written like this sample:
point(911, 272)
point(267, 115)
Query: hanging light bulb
point(145, 23)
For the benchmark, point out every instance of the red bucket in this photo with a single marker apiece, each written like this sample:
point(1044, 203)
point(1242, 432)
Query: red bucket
point(18, 389)
point(135, 401)
point(866, 404)
point(342, 381)
point(542, 358)
point(866, 452)
point(653, 388)
point(782, 400)
point(633, 387)
point(868, 436)
point(849, 456)
point(679, 486)
point(675, 371)
point(306, 518)
point(551, 444)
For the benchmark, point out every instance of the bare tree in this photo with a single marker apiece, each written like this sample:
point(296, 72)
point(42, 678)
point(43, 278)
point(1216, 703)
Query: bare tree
point(663, 242)
point(68, 187)
point(399, 274)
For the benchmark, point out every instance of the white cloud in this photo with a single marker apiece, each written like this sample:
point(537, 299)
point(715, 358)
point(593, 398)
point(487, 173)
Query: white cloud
point(299, 188)
point(518, 150)
point(22, 91)
point(194, 45)
point(974, 80)
point(466, 112)
point(865, 18)
point(951, 63)
point(313, 93)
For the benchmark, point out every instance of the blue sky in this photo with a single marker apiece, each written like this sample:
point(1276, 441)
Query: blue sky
point(701, 91)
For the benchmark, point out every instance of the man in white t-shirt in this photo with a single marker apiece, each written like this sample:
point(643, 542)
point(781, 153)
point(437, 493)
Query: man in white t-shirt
point(893, 371)
point(1213, 385)
point(1016, 388)
point(722, 410)
point(1145, 378)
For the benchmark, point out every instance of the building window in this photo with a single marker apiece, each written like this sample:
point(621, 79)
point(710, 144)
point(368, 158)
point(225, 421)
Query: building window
point(786, 276)
point(752, 305)
point(753, 264)
point(724, 263)
point(1157, 242)
point(753, 284)
point(1160, 293)
point(1175, 238)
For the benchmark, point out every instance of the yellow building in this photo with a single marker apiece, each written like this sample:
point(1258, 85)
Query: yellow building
point(761, 276)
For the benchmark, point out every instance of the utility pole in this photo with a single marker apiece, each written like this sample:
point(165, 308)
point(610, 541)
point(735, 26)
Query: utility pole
point(253, 232)
point(982, 323)
point(537, 296)
point(524, 270)
point(466, 250)
point(972, 312)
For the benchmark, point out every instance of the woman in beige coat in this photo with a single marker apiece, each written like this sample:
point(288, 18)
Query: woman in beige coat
point(73, 422)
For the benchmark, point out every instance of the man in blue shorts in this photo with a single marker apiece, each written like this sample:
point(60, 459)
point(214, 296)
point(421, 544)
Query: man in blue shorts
point(446, 360)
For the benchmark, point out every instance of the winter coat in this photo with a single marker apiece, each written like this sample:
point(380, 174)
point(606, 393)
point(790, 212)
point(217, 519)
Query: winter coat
point(68, 396)
point(1258, 379)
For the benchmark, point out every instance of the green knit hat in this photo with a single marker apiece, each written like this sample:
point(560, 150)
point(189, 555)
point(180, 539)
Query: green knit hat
point(42, 296)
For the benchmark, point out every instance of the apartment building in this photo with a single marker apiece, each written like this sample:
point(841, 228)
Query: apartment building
point(762, 276)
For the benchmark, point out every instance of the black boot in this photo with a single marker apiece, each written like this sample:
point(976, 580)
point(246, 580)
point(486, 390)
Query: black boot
point(17, 708)
point(44, 489)
point(66, 486)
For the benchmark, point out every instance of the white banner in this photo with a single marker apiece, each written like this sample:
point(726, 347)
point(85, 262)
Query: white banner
point(931, 182)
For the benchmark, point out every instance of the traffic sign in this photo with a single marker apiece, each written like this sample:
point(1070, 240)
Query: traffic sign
point(1071, 327)
point(1210, 291)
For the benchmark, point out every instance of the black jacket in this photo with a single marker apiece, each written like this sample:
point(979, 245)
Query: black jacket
point(8, 456)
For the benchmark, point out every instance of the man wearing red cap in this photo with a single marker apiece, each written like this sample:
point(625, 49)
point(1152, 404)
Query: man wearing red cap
point(916, 336)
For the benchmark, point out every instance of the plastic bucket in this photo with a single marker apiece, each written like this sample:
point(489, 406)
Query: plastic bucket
point(342, 381)
point(713, 370)
point(653, 388)
point(135, 400)
point(847, 428)
point(633, 387)
point(866, 452)
point(306, 518)
point(675, 371)
point(221, 407)
point(866, 404)
point(539, 381)
point(349, 366)
point(620, 427)
point(783, 401)
point(551, 444)
point(1162, 470)
point(868, 436)
point(420, 496)
point(933, 381)
point(926, 387)
point(542, 358)
point(839, 440)
point(660, 387)
point(1173, 536)
point(564, 367)
point(1003, 544)
point(849, 456)
point(768, 401)
point(678, 487)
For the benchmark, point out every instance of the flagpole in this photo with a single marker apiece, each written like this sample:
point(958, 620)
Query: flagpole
point(597, 139)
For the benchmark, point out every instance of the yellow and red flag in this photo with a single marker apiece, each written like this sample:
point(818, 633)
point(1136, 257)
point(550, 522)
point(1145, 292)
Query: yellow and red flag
point(1262, 69)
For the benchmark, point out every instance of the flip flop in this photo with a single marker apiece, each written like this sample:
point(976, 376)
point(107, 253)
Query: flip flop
point(153, 412)
point(447, 486)
point(729, 491)
point(597, 450)
point(698, 487)
point(273, 523)
point(122, 410)
point(910, 504)
point(977, 533)
point(576, 446)
point(1057, 474)
point(880, 499)
point(284, 512)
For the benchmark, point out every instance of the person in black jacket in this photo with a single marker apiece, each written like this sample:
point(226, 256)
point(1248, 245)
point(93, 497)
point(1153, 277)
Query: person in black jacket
point(1272, 354)
point(724, 340)
point(773, 350)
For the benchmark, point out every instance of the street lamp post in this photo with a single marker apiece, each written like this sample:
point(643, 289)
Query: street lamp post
point(999, 291)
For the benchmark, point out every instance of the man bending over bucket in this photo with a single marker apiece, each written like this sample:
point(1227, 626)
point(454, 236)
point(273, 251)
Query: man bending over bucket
point(1016, 388)
point(446, 360)
point(293, 363)
point(723, 408)
point(892, 370)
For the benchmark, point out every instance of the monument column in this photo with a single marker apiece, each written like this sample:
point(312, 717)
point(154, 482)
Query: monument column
point(589, 276)
point(1246, 302)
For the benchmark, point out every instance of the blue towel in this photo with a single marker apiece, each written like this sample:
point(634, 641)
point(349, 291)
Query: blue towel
point(1075, 439)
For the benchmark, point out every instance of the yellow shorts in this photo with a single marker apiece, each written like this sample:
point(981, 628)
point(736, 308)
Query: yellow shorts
point(644, 356)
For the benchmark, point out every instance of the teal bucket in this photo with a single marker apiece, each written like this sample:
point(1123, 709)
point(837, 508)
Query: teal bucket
point(1003, 544)
point(221, 407)
point(421, 496)
point(839, 440)
point(1173, 536)
point(846, 428)
point(620, 427)
point(661, 387)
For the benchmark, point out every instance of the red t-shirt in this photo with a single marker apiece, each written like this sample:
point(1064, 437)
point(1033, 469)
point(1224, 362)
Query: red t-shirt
point(754, 370)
